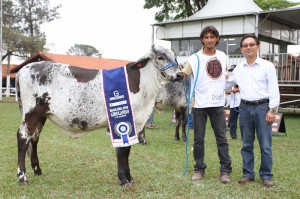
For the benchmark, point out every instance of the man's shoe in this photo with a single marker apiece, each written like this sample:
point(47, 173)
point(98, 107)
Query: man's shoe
point(198, 176)
point(224, 178)
point(267, 182)
point(246, 179)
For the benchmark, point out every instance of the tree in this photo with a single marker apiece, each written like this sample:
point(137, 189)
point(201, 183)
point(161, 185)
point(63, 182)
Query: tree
point(179, 9)
point(274, 4)
point(83, 50)
point(174, 9)
point(22, 20)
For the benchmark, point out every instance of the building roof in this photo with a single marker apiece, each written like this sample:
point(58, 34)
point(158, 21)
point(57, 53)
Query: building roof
point(4, 70)
point(221, 9)
point(286, 15)
point(74, 60)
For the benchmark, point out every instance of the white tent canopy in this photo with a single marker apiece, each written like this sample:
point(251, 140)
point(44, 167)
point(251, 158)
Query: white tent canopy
point(220, 8)
point(235, 18)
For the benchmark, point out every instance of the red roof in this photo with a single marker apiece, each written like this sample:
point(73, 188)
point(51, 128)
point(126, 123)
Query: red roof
point(4, 70)
point(74, 60)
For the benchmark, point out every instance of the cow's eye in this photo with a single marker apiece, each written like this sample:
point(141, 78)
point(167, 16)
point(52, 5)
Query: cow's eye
point(160, 58)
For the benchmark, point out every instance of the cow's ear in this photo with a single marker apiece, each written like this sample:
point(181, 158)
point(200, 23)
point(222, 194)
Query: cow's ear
point(140, 63)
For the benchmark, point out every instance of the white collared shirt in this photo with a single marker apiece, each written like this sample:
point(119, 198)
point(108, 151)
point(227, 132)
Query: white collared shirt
point(257, 81)
point(235, 100)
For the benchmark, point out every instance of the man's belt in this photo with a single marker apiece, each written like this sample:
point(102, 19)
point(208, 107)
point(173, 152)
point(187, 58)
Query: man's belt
point(255, 103)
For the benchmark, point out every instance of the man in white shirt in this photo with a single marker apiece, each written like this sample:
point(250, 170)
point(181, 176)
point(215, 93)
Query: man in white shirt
point(208, 69)
point(235, 100)
point(258, 86)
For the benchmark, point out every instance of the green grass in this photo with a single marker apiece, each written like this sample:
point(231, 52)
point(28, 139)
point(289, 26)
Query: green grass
point(86, 167)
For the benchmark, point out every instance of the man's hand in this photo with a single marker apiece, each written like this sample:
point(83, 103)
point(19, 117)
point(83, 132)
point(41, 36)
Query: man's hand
point(227, 91)
point(270, 117)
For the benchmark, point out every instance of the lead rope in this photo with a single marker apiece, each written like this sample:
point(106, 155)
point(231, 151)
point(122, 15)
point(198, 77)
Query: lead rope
point(189, 100)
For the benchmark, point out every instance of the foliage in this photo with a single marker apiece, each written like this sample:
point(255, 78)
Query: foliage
point(83, 50)
point(274, 4)
point(23, 45)
point(179, 9)
point(87, 168)
point(174, 9)
point(22, 20)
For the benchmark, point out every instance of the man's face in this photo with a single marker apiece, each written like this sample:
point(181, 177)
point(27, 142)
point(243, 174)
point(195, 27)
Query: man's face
point(249, 47)
point(209, 40)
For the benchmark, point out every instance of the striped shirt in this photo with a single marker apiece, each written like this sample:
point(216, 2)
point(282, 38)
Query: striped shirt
point(257, 81)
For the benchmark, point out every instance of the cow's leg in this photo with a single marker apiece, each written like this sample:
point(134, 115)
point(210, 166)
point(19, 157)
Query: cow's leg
point(142, 136)
point(22, 148)
point(123, 165)
point(28, 136)
point(183, 122)
point(35, 165)
point(178, 123)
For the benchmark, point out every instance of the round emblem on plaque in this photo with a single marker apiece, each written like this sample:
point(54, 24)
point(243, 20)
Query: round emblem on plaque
point(123, 128)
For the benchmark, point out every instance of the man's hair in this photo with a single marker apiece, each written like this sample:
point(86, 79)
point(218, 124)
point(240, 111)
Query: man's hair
point(249, 36)
point(209, 29)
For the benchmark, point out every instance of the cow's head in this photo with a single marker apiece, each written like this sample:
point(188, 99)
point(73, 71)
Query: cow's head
point(172, 95)
point(162, 60)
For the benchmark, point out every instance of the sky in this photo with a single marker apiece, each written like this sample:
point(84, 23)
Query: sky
point(119, 29)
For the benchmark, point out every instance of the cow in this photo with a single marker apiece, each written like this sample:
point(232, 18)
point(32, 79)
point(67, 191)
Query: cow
point(174, 95)
point(72, 98)
point(171, 95)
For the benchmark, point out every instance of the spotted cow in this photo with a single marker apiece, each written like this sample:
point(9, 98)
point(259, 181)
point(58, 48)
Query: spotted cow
point(72, 98)
point(171, 95)
point(174, 95)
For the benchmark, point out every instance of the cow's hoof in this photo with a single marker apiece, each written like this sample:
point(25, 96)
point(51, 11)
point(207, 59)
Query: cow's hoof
point(143, 142)
point(130, 181)
point(37, 171)
point(126, 183)
point(177, 138)
point(22, 182)
point(184, 139)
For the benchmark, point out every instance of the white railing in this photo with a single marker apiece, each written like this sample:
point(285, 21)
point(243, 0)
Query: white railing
point(12, 92)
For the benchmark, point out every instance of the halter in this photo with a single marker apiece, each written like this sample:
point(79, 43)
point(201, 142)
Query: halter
point(169, 65)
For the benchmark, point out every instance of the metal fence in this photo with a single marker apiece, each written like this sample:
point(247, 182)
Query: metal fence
point(287, 66)
point(288, 75)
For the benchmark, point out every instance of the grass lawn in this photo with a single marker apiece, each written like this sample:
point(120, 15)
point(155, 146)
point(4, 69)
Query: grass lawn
point(87, 168)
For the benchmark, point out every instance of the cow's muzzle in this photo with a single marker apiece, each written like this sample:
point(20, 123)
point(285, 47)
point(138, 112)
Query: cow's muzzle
point(179, 77)
point(166, 67)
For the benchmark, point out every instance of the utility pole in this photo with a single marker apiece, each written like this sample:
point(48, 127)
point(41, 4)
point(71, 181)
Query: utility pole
point(1, 22)
point(9, 53)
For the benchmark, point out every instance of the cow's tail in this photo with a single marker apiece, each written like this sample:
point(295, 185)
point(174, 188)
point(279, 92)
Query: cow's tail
point(18, 92)
point(29, 149)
